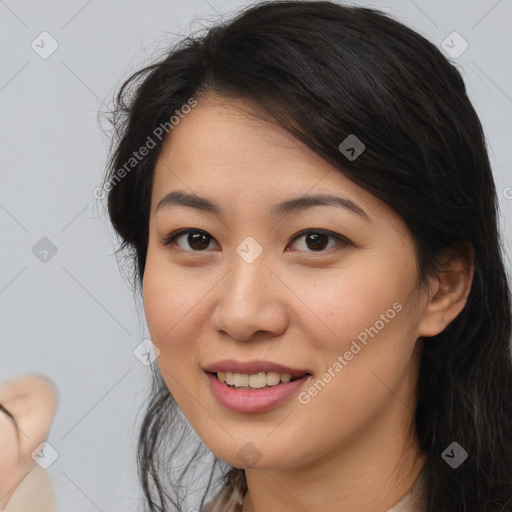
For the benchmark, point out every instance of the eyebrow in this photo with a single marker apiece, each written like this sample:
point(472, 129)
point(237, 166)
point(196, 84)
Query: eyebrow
point(178, 197)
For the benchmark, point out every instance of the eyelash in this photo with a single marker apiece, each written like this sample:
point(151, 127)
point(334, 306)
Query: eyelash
point(339, 238)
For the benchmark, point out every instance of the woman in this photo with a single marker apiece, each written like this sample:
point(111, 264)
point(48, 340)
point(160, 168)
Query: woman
point(313, 222)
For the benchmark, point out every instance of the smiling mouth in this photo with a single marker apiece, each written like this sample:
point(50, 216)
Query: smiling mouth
point(258, 380)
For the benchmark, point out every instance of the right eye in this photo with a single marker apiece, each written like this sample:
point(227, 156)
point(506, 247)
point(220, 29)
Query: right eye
point(197, 239)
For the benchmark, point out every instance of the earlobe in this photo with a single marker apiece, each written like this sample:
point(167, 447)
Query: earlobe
point(448, 293)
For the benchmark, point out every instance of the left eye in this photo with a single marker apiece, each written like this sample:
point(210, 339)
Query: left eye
point(315, 239)
point(318, 239)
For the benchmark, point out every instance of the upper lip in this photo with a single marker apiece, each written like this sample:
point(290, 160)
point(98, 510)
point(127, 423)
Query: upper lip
point(253, 367)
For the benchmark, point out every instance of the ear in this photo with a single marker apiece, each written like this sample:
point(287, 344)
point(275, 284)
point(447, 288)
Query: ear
point(448, 290)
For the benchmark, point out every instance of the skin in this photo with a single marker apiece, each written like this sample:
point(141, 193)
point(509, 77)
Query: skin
point(352, 446)
point(32, 400)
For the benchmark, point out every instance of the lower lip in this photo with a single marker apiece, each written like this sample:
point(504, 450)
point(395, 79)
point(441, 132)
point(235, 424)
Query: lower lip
point(257, 400)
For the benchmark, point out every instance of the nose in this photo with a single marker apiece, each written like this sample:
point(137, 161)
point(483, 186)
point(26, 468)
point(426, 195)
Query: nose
point(251, 300)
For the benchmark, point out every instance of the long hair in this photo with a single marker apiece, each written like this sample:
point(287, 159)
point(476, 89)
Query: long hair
point(324, 71)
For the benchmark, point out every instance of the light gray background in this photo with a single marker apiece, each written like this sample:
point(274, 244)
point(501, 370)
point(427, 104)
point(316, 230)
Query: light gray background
point(73, 318)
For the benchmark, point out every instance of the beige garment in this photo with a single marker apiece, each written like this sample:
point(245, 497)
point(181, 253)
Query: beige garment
point(415, 500)
point(33, 494)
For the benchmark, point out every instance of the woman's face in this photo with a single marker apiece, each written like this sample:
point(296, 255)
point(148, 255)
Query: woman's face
point(328, 291)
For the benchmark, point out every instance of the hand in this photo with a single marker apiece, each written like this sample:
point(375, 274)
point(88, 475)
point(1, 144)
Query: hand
point(32, 401)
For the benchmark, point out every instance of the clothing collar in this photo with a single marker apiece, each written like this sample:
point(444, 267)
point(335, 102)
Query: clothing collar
point(415, 499)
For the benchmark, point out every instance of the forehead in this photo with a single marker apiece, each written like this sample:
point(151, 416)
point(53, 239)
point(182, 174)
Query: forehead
point(228, 151)
point(233, 132)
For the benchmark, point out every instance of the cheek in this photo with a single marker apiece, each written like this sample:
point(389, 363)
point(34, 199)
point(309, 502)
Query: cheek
point(354, 304)
point(170, 306)
point(373, 340)
point(170, 297)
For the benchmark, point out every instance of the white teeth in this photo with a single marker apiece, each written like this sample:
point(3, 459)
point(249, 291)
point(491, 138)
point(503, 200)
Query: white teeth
point(256, 380)
point(273, 378)
point(241, 380)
